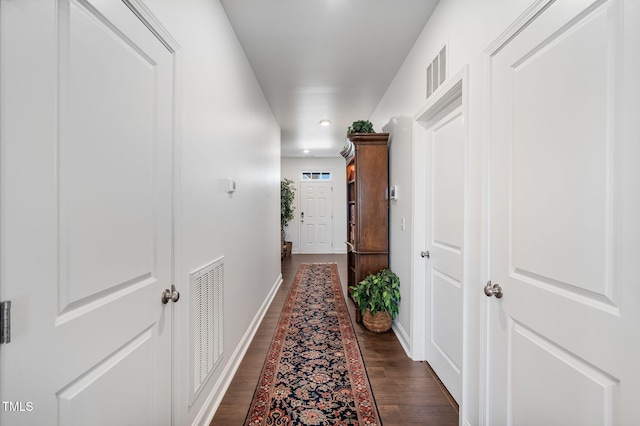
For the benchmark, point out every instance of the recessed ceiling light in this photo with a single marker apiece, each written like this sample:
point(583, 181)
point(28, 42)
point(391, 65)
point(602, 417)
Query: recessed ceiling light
point(306, 151)
point(325, 122)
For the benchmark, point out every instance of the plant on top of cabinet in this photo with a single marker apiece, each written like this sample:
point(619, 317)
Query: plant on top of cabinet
point(360, 126)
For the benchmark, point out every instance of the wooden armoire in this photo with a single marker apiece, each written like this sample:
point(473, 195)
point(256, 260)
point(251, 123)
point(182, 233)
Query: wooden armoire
point(367, 156)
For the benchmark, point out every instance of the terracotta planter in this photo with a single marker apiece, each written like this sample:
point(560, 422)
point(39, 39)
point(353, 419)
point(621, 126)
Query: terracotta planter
point(377, 323)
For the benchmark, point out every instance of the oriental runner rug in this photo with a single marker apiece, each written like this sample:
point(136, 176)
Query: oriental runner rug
point(314, 373)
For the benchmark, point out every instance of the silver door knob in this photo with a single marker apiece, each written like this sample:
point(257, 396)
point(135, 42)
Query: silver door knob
point(494, 290)
point(173, 295)
point(425, 254)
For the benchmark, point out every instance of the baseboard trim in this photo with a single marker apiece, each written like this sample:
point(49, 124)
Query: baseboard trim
point(403, 338)
point(211, 404)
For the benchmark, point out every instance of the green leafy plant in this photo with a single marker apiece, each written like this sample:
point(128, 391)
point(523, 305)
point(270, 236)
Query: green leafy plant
point(360, 126)
point(287, 194)
point(378, 292)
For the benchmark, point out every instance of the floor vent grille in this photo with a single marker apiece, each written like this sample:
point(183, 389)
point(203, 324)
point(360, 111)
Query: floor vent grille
point(207, 322)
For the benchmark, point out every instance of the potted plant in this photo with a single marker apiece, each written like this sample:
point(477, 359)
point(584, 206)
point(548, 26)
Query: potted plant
point(377, 297)
point(360, 126)
point(286, 207)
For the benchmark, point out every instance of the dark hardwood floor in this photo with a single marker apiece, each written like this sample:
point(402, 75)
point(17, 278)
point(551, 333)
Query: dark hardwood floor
point(406, 391)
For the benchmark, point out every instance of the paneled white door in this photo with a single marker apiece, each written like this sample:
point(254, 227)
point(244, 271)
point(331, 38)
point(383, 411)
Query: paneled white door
point(86, 140)
point(565, 202)
point(444, 242)
point(316, 217)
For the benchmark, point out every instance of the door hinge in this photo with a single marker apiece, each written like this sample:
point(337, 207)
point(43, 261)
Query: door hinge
point(5, 321)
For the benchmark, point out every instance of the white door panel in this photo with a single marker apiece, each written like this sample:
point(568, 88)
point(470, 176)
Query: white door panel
point(585, 391)
point(446, 311)
point(86, 214)
point(560, 337)
point(106, 160)
point(92, 393)
point(444, 237)
point(316, 219)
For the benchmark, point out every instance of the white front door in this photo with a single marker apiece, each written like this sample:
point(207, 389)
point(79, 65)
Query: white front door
point(316, 217)
point(564, 342)
point(86, 140)
point(444, 242)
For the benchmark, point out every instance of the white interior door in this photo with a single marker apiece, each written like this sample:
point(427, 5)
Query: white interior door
point(86, 92)
point(316, 217)
point(444, 238)
point(563, 339)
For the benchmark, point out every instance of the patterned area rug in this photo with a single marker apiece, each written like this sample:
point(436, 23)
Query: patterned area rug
point(314, 374)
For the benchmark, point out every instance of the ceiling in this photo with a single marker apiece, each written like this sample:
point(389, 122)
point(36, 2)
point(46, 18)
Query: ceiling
point(325, 59)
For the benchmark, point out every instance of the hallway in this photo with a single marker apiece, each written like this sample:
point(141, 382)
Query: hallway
point(406, 391)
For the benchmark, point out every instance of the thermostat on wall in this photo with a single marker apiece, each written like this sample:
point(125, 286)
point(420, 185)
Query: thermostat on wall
point(231, 186)
point(393, 192)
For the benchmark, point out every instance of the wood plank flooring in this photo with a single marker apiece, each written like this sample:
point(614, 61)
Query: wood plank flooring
point(406, 391)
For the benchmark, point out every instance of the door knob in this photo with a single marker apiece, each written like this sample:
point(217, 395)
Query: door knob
point(425, 254)
point(494, 290)
point(173, 295)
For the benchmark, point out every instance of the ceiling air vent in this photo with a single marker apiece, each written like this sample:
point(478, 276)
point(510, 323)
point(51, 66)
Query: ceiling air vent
point(437, 71)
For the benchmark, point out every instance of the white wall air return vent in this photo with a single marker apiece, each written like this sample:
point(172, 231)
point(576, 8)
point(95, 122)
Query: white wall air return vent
point(437, 71)
point(207, 323)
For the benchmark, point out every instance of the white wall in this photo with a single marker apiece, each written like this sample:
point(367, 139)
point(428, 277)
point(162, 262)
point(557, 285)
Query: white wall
point(467, 27)
point(226, 130)
point(291, 168)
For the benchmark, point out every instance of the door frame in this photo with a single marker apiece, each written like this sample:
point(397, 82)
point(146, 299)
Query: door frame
point(456, 89)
